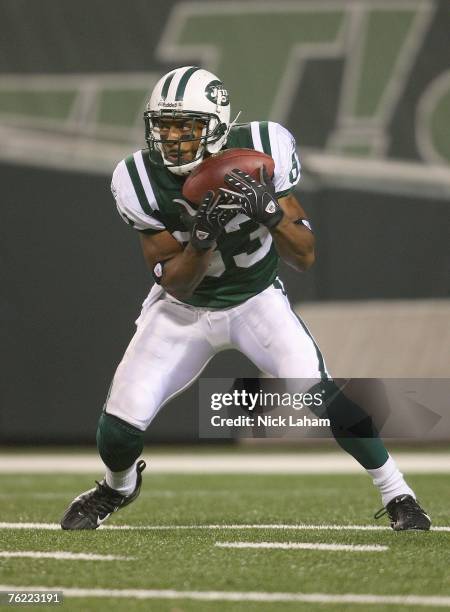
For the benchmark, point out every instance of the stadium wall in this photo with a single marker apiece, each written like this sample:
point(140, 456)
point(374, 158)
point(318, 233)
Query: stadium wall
point(74, 78)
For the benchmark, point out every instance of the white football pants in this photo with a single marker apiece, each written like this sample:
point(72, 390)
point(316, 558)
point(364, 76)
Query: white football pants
point(174, 342)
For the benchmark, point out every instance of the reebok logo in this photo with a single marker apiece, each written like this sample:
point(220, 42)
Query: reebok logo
point(270, 208)
point(201, 235)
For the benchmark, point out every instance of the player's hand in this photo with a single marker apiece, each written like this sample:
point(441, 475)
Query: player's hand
point(211, 217)
point(256, 198)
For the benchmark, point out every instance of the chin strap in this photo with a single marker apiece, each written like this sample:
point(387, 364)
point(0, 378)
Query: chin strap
point(187, 168)
point(214, 148)
point(233, 123)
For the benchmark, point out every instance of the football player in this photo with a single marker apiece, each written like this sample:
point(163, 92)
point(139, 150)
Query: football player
point(216, 287)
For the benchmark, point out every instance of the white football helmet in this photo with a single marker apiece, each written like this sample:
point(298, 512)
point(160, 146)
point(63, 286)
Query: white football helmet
point(189, 93)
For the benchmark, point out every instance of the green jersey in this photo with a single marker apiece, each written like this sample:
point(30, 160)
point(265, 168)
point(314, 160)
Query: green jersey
point(245, 261)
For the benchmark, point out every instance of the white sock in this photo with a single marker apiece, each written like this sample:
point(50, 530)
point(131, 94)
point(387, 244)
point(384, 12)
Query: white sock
point(390, 481)
point(124, 482)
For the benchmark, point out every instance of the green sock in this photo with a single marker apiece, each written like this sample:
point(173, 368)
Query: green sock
point(369, 452)
point(118, 442)
point(352, 427)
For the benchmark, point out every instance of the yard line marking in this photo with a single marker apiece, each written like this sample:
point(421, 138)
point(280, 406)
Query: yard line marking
point(305, 546)
point(34, 554)
point(287, 527)
point(399, 600)
point(46, 526)
point(221, 463)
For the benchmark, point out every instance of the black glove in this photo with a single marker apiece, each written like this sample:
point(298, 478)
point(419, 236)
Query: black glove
point(208, 222)
point(256, 198)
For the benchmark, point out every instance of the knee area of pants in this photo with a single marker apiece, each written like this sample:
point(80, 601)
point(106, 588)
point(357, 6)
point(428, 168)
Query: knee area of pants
point(299, 366)
point(136, 407)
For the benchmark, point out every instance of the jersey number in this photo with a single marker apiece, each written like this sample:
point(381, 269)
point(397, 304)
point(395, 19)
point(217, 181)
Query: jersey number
point(257, 247)
point(295, 169)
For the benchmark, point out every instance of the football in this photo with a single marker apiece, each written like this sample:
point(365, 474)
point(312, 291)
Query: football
point(211, 172)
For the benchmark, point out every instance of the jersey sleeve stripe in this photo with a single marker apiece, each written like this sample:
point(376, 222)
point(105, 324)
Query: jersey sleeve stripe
point(151, 231)
point(144, 178)
point(256, 136)
point(265, 139)
point(181, 236)
point(137, 185)
point(284, 193)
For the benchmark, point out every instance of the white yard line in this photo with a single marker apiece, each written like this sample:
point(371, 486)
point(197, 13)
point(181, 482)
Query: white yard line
point(304, 546)
point(222, 463)
point(351, 598)
point(297, 527)
point(34, 554)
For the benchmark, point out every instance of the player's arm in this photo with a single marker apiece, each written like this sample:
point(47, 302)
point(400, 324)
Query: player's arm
point(293, 239)
point(270, 201)
point(283, 217)
point(181, 269)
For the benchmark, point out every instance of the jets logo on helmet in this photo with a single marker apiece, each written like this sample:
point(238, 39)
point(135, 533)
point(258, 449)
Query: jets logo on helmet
point(197, 101)
point(216, 92)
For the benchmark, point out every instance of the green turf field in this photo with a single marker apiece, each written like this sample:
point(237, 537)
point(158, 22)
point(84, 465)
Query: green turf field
point(190, 560)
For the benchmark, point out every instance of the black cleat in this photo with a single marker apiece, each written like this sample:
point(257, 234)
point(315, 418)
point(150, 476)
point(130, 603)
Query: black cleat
point(91, 508)
point(405, 513)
